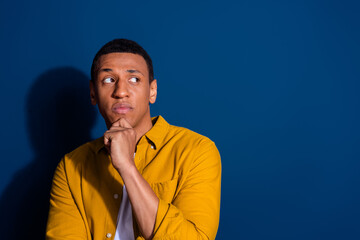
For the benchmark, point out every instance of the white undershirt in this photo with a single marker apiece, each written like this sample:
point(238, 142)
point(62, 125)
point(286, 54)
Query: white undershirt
point(124, 228)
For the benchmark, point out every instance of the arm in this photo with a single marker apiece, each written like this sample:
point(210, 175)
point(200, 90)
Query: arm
point(194, 213)
point(144, 201)
point(64, 221)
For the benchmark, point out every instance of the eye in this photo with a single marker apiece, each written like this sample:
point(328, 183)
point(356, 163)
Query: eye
point(134, 79)
point(108, 80)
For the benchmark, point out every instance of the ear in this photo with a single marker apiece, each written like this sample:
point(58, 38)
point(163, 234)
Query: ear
point(92, 93)
point(153, 91)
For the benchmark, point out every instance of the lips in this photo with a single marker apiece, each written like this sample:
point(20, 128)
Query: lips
point(121, 108)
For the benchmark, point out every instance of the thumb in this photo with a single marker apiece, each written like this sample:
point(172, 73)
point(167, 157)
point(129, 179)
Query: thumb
point(116, 123)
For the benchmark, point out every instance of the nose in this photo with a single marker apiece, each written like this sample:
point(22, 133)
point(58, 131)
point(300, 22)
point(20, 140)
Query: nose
point(120, 89)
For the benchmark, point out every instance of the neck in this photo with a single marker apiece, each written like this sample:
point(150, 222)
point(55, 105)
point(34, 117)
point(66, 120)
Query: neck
point(143, 127)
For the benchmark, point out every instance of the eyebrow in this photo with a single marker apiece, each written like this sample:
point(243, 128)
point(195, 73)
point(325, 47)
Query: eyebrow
point(129, 70)
point(134, 71)
point(105, 70)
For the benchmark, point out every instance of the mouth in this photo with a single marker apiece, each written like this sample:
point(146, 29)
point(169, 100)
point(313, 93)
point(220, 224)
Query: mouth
point(121, 108)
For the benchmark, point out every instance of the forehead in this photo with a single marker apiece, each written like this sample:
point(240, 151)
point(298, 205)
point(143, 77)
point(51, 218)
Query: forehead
point(123, 60)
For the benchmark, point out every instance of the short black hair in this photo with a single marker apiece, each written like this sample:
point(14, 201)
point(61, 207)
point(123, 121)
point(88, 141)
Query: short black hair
point(122, 46)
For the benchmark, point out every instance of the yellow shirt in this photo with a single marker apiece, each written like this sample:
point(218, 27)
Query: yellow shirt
point(182, 167)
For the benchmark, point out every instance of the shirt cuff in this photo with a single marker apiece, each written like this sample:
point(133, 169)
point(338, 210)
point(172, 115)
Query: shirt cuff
point(163, 208)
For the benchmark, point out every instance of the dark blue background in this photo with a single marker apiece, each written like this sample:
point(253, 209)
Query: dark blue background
point(274, 83)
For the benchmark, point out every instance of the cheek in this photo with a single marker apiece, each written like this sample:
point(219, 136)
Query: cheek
point(144, 99)
point(103, 102)
point(104, 94)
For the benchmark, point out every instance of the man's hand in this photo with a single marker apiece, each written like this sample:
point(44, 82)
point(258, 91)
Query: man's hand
point(120, 141)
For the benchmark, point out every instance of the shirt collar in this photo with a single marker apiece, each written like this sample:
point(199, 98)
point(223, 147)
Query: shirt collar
point(155, 135)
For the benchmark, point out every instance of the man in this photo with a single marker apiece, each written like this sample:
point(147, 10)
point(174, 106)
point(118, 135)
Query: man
point(144, 179)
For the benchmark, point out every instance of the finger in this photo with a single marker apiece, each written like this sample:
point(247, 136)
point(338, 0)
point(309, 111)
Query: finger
point(115, 129)
point(124, 123)
point(107, 138)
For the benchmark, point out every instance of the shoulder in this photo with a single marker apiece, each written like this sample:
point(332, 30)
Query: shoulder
point(196, 153)
point(188, 138)
point(165, 134)
point(194, 147)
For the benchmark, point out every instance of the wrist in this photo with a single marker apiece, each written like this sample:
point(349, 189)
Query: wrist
point(126, 168)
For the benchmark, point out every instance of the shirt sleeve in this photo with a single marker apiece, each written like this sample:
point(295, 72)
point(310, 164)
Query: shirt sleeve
point(64, 221)
point(194, 213)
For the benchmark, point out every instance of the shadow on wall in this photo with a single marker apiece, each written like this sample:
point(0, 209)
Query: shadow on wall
point(59, 119)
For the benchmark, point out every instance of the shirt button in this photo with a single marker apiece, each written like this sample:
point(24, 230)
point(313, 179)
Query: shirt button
point(116, 196)
point(108, 235)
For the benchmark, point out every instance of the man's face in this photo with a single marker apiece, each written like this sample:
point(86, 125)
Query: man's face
point(122, 90)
